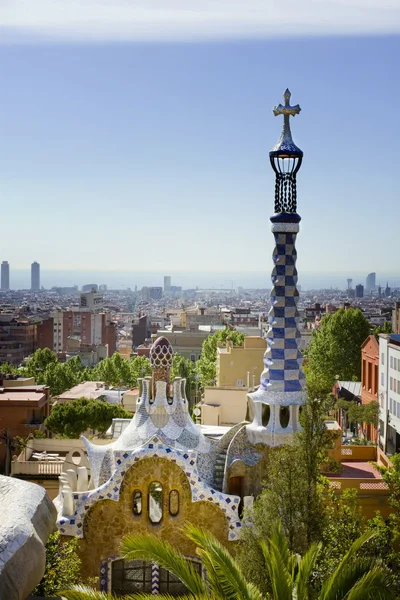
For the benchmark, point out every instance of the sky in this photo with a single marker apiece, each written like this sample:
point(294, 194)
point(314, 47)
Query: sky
point(134, 135)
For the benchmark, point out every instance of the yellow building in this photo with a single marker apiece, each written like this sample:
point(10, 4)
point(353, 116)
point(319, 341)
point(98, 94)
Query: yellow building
point(238, 371)
point(241, 365)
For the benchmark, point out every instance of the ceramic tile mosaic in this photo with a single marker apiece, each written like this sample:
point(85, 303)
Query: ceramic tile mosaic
point(186, 460)
point(282, 380)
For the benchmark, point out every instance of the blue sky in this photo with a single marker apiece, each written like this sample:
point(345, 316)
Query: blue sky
point(140, 140)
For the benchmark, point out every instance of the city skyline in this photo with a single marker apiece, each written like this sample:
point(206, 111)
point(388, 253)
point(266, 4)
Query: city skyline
point(21, 279)
point(101, 135)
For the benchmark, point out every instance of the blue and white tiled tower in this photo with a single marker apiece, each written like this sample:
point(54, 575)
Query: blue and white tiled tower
point(274, 406)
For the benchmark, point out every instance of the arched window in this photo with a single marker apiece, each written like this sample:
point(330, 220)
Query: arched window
point(155, 502)
point(266, 412)
point(137, 502)
point(173, 502)
point(284, 416)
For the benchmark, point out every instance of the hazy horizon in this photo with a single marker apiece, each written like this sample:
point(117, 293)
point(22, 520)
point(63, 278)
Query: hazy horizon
point(20, 279)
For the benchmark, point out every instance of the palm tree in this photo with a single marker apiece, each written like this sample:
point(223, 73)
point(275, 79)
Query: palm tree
point(289, 574)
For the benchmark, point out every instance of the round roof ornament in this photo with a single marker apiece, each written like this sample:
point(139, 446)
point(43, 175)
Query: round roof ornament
point(161, 353)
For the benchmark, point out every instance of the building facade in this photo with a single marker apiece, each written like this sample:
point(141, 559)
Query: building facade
point(17, 339)
point(91, 328)
point(370, 380)
point(370, 282)
point(35, 276)
point(22, 410)
point(389, 392)
point(5, 276)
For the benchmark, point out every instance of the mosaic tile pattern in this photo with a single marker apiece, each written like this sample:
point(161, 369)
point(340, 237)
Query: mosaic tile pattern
point(282, 380)
point(167, 418)
point(186, 460)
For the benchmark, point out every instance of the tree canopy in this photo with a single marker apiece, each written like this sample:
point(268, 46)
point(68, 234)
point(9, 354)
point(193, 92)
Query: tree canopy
point(71, 419)
point(335, 348)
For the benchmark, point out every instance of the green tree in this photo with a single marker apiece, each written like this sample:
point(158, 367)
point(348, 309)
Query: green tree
point(185, 368)
point(206, 365)
point(289, 574)
point(385, 328)
point(7, 368)
point(360, 413)
point(62, 568)
point(335, 348)
point(114, 370)
point(293, 492)
point(140, 367)
point(71, 419)
point(39, 362)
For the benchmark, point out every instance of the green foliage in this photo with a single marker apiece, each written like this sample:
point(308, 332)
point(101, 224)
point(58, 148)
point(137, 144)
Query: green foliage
point(334, 351)
point(116, 370)
point(206, 365)
point(185, 368)
point(7, 369)
point(37, 364)
point(139, 367)
point(44, 366)
point(290, 575)
point(360, 413)
point(385, 328)
point(71, 419)
point(62, 566)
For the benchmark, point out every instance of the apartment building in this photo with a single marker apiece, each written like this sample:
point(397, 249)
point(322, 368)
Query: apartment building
point(17, 338)
point(389, 392)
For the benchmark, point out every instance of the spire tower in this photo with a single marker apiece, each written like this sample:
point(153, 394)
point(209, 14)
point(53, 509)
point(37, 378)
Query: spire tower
point(274, 406)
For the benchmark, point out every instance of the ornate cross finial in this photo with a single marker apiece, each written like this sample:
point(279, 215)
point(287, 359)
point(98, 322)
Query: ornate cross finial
point(287, 109)
point(286, 145)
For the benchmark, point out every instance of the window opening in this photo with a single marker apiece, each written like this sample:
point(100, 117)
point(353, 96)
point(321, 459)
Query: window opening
point(173, 502)
point(137, 502)
point(155, 501)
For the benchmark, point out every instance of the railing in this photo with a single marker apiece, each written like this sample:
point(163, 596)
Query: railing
point(36, 468)
point(374, 486)
point(358, 452)
point(383, 460)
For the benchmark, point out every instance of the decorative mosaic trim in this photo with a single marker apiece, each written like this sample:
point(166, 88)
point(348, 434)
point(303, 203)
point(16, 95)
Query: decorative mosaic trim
point(110, 490)
point(285, 227)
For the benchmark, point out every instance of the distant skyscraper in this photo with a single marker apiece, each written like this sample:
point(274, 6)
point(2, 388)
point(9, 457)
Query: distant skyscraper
point(35, 276)
point(5, 276)
point(359, 291)
point(370, 282)
point(167, 283)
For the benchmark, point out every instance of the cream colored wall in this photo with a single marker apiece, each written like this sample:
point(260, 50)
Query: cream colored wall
point(233, 363)
point(224, 406)
point(130, 398)
point(28, 381)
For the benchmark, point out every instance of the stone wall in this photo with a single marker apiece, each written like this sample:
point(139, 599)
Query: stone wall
point(107, 522)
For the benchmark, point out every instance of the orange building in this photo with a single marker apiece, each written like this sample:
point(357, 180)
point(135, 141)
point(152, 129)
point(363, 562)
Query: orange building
point(369, 379)
point(22, 410)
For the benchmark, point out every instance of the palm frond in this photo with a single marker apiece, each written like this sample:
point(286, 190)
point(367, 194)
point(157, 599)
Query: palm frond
point(87, 593)
point(305, 568)
point(278, 571)
point(338, 586)
point(81, 592)
point(149, 548)
point(376, 584)
point(224, 575)
point(349, 571)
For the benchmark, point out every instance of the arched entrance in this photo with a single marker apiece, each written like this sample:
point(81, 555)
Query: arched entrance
point(139, 576)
